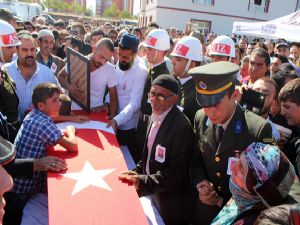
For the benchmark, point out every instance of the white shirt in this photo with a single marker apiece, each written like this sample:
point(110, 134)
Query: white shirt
point(130, 91)
point(104, 76)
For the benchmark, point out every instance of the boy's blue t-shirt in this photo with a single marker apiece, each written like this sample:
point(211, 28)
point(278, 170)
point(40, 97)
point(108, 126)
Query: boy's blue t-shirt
point(36, 133)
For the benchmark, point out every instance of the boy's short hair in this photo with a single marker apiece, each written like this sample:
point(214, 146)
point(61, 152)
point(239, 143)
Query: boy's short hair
point(65, 108)
point(44, 91)
point(291, 92)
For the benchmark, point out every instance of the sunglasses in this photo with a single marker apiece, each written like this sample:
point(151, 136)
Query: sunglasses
point(74, 32)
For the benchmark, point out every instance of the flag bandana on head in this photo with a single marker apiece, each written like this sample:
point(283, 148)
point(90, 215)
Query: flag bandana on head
point(9, 39)
point(151, 41)
point(221, 48)
point(181, 49)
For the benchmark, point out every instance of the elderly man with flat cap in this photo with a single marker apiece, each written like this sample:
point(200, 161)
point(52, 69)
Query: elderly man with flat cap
point(163, 171)
point(223, 129)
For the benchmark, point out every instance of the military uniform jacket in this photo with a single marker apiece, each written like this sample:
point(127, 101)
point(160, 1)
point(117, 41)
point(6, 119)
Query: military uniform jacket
point(210, 161)
point(188, 100)
point(168, 182)
point(8, 98)
point(153, 73)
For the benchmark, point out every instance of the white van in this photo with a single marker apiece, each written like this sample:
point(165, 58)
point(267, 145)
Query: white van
point(128, 23)
point(24, 10)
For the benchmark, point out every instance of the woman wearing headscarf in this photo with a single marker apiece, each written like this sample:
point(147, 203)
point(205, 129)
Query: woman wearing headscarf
point(260, 179)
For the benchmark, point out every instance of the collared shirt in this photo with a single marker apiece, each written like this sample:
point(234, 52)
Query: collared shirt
point(275, 132)
point(184, 80)
point(25, 88)
point(157, 121)
point(40, 59)
point(225, 125)
point(36, 133)
point(130, 92)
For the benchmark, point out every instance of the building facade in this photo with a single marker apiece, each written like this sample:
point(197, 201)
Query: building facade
point(212, 15)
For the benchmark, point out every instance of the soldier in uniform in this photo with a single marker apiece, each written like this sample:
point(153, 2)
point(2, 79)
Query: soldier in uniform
point(223, 129)
point(187, 54)
point(9, 100)
point(157, 44)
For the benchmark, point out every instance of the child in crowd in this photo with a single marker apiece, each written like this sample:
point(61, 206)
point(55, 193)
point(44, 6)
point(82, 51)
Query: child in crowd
point(36, 133)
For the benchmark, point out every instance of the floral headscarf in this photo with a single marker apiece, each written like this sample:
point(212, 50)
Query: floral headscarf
point(273, 175)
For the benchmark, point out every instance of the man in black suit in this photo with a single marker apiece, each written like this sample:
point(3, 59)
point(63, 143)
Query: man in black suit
point(163, 170)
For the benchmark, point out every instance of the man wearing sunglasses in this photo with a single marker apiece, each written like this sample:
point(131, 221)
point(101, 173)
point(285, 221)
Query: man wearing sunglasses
point(78, 30)
point(162, 172)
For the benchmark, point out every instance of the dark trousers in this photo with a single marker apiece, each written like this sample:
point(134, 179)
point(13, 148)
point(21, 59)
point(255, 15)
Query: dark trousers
point(127, 137)
point(15, 204)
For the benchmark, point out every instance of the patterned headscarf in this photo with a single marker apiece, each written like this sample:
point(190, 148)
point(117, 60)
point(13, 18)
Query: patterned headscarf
point(273, 178)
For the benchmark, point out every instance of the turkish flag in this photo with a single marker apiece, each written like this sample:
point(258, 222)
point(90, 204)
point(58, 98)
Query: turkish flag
point(181, 49)
point(89, 192)
point(151, 41)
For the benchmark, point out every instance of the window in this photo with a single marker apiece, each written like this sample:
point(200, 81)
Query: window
point(201, 25)
point(204, 2)
point(259, 6)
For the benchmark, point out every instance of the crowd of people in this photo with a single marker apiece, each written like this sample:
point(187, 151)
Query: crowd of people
point(204, 152)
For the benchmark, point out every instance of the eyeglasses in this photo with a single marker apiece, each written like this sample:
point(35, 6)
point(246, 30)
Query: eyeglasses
point(74, 32)
point(160, 97)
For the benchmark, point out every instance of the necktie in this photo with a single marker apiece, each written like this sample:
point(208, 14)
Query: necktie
point(219, 133)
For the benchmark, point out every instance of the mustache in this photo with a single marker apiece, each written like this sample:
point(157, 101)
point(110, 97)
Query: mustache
point(29, 57)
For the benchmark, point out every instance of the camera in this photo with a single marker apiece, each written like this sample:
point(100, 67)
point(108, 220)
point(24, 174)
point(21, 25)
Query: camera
point(253, 101)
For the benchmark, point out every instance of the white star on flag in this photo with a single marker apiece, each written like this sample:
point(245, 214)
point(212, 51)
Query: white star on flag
point(89, 176)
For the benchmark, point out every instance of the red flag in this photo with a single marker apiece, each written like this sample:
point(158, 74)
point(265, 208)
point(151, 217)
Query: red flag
point(181, 49)
point(89, 192)
point(151, 41)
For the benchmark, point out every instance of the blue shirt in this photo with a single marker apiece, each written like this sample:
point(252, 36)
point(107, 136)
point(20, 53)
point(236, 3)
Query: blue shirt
point(36, 133)
point(25, 88)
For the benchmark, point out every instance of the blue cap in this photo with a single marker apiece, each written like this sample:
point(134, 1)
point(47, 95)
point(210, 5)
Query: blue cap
point(129, 41)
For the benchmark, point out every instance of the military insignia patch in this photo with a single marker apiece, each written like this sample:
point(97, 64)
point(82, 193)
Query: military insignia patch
point(202, 85)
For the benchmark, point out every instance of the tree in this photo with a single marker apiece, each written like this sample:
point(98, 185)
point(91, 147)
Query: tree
point(112, 11)
point(125, 15)
point(88, 12)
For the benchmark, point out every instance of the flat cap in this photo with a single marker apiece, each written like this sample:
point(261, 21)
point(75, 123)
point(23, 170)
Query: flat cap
point(167, 81)
point(212, 80)
point(129, 41)
point(7, 151)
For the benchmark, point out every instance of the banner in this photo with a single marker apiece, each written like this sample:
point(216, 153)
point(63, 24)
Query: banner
point(286, 27)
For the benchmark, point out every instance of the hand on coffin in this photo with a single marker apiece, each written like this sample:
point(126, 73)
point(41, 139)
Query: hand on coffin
point(49, 163)
point(130, 177)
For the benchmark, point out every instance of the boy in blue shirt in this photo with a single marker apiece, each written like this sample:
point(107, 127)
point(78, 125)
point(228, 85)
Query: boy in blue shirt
point(36, 133)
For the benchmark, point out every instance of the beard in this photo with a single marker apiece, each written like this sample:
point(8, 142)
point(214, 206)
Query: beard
point(124, 65)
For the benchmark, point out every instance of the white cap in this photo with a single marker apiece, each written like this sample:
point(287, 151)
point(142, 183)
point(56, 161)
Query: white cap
point(43, 33)
point(188, 47)
point(158, 39)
